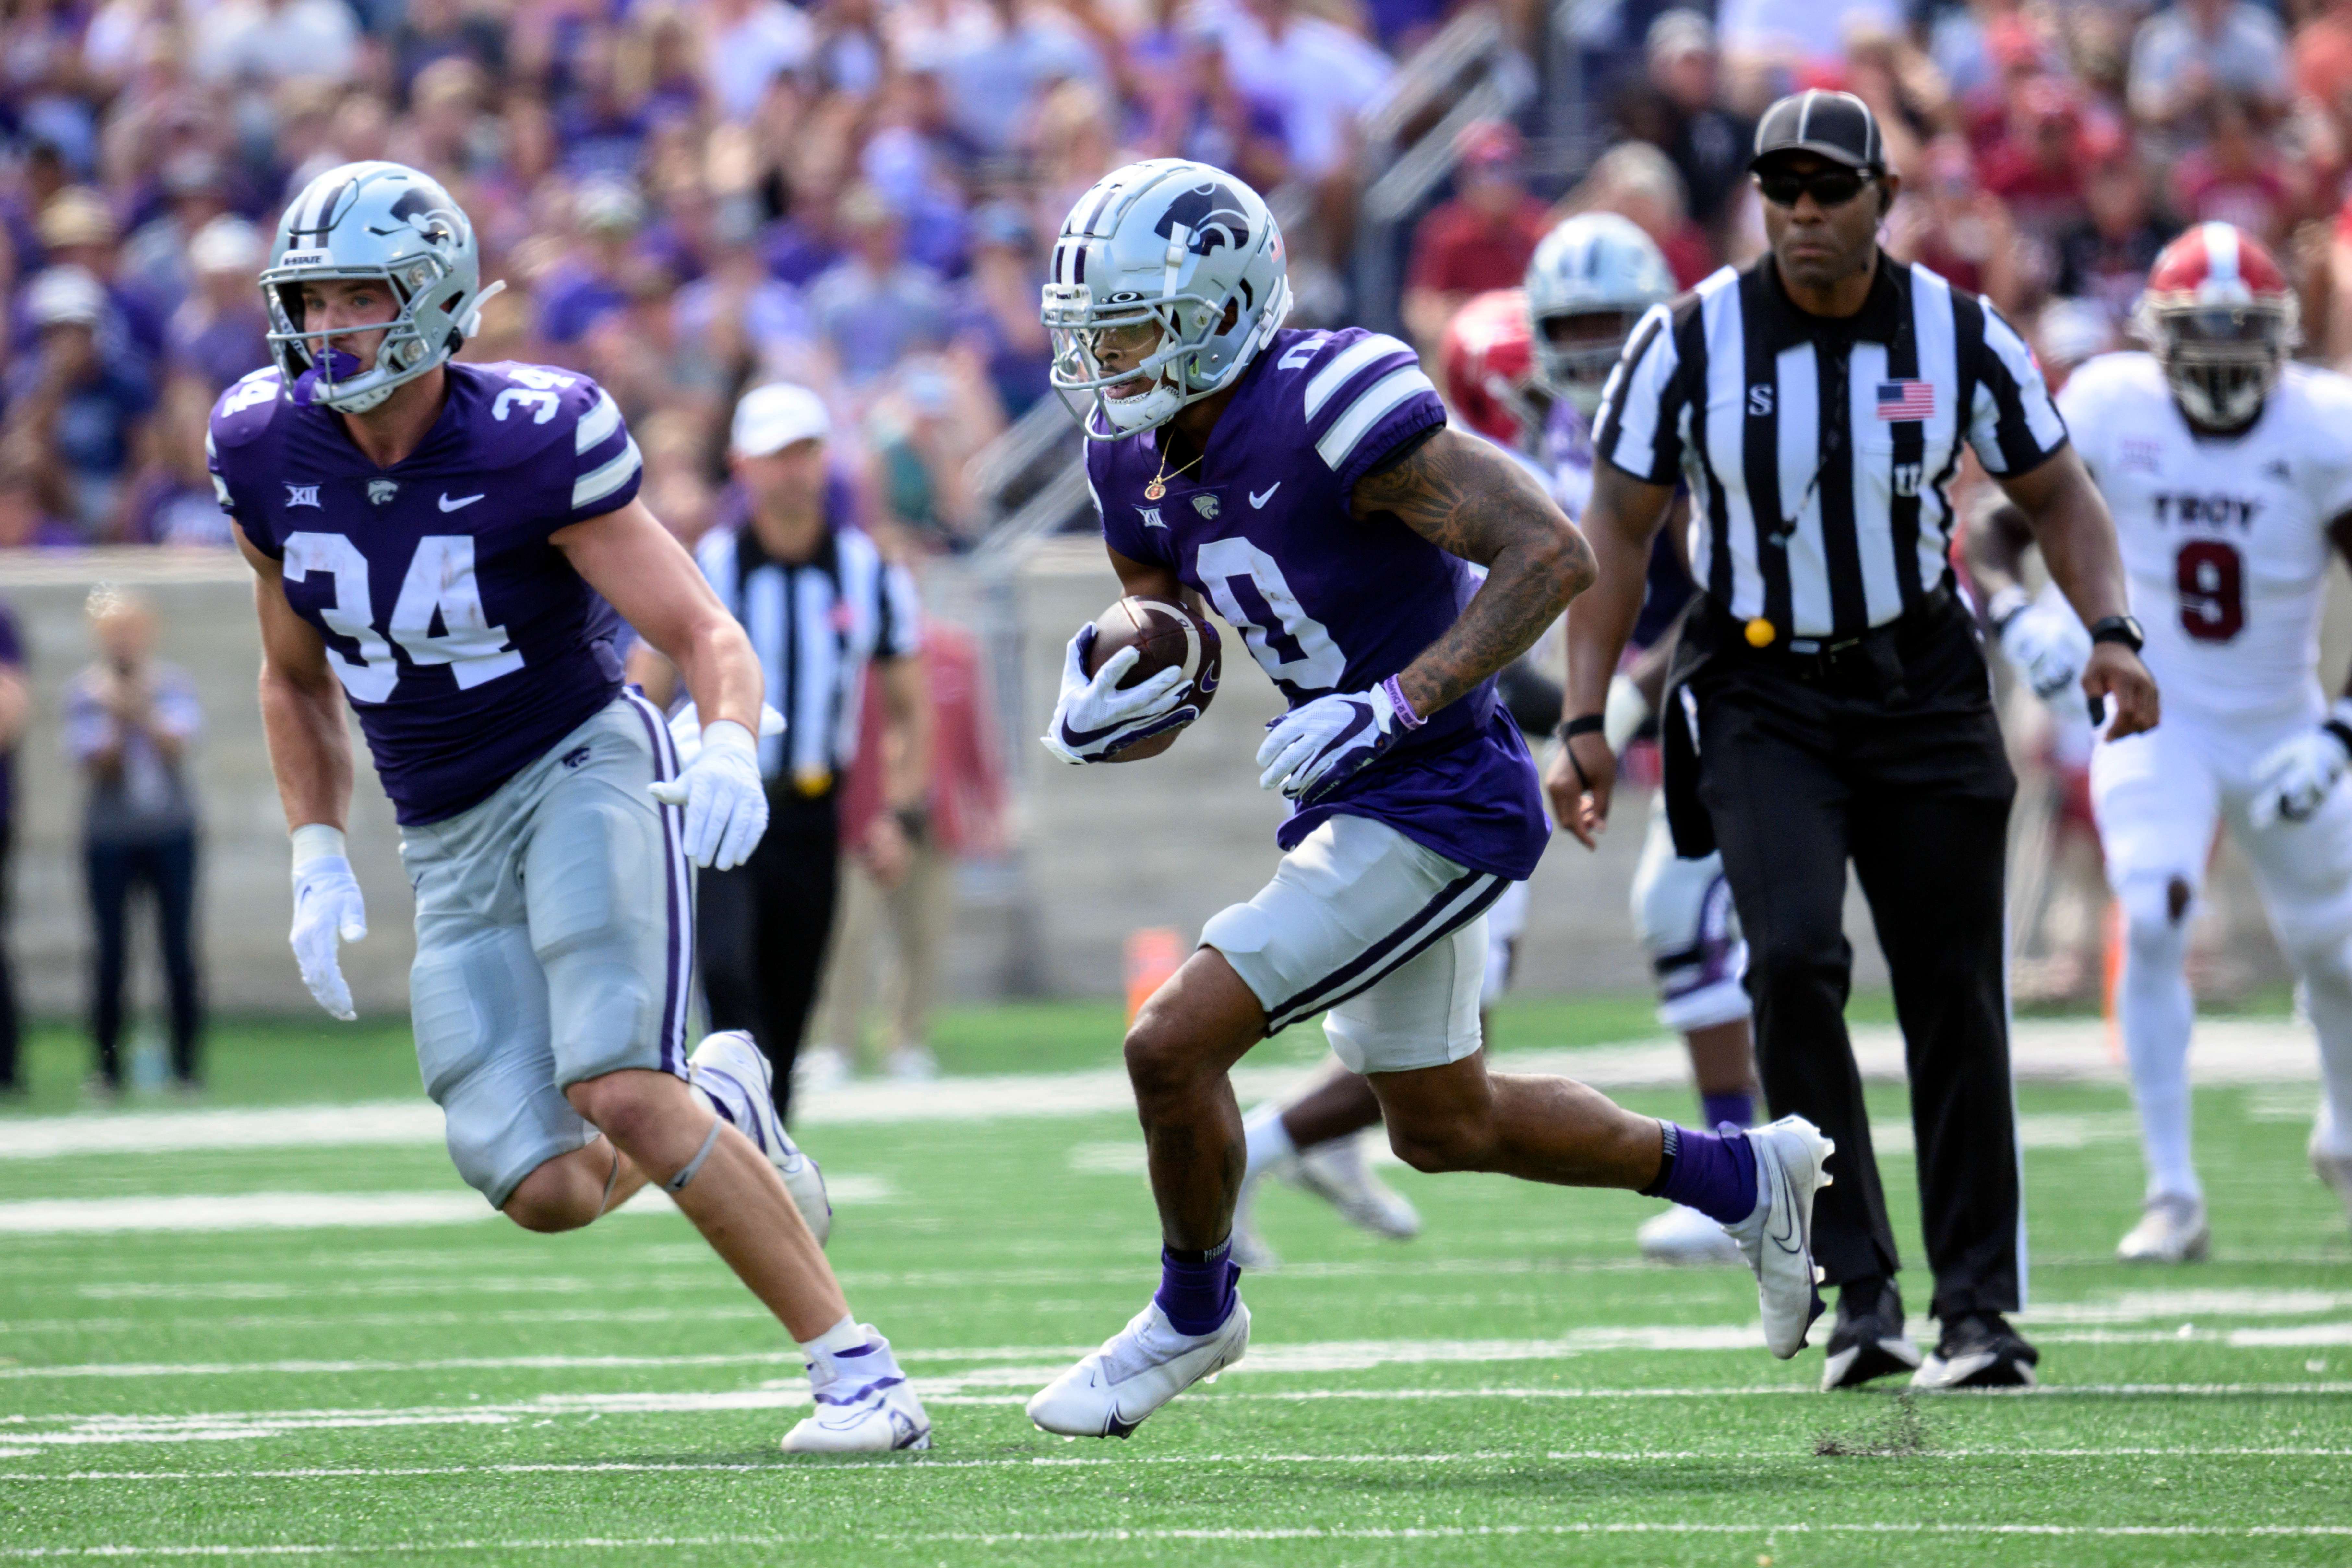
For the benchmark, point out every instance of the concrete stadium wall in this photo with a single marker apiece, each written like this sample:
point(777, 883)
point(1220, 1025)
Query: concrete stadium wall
point(1101, 851)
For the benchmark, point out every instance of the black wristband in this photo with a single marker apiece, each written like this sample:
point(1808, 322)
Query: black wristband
point(2124, 629)
point(2342, 732)
point(1582, 724)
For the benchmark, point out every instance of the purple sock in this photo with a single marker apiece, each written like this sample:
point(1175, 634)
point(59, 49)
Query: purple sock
point(1196, 1288)
point(1739, 1109)
point(1711, 1172)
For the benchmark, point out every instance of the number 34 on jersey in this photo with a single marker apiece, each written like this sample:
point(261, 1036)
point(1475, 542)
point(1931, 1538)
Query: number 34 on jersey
point(438, 587)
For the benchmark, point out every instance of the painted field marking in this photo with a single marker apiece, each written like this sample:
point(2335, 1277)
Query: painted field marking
point(24, 1431)
point(308, 1211)
point(2040, 1130)
point(2239, 1051)
point(1306, 1357)
point(1299, 1533)
point(1046, 1461)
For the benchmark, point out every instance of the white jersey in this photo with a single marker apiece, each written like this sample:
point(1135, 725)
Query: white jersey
point(2224, 540)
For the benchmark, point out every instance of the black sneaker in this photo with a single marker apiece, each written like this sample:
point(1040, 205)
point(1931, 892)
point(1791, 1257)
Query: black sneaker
point(1868, 1344)
point(1979, 1350)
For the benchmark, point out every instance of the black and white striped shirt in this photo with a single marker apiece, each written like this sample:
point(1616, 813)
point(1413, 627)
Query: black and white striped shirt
point(1823, 527)
point(815, 625)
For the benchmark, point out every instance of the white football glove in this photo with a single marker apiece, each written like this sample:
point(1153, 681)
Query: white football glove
point(1093, 721)
point(725, 799)
point(686, 731)
point(2295, 777)
point(2048, 647)
point(327, 906)
point(1310, 749)
point(1625, 713)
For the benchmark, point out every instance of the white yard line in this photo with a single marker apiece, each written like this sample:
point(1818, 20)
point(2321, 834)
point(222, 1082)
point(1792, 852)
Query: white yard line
point(1114, 1537)
point(24, 1432)
point(308, 1211)
point(913, 1462)
point(2130, 1307)
point(2037, 1132)
point(2231, 1051)
point(2053, 1323)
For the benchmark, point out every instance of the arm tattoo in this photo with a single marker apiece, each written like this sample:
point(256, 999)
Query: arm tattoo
point(1471, 500)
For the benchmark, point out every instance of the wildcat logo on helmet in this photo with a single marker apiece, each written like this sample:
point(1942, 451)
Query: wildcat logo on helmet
point(1210, 215)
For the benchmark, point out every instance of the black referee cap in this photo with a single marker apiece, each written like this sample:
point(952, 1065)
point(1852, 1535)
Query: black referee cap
point(1834, 125)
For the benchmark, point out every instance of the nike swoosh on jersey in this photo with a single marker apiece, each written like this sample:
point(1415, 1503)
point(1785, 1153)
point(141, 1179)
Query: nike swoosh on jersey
point(449, 505)
point(1258, 500)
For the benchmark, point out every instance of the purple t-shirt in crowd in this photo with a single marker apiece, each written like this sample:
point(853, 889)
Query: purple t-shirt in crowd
point(1328, 602)
point(464, 640)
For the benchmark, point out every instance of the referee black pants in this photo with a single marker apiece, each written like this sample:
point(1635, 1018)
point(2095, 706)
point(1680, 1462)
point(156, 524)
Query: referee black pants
point(1911, 783)
point(764, 928)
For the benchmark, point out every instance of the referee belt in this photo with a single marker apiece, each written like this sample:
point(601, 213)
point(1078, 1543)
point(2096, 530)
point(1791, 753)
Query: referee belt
point(1873, 659)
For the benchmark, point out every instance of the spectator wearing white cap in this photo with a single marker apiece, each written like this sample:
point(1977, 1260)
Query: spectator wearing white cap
point(219, 331)
point(73, 409)
point(821, 606)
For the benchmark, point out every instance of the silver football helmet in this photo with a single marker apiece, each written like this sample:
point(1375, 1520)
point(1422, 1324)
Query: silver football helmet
point(1172, 254)
point(389, 223)
point(1594, 264)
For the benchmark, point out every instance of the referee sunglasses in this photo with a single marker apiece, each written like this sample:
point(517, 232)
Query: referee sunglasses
point(1831, 187)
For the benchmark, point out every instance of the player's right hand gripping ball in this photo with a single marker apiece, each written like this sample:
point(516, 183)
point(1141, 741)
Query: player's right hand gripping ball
point(726, 801)
point(327, 906)
point(1158, 667)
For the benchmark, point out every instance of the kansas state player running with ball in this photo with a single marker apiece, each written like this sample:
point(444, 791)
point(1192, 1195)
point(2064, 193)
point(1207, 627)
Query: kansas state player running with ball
point(434, 537)
point(1306, 485)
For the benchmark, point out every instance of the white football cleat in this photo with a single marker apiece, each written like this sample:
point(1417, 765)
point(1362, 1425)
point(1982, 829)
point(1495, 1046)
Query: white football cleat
point(2171, 1230)
point(1685, 1235)
point(1777, 1238)
point(2331, 1154)
point(733, 1076)
point(914, 1064)
point(1336, 1173)
point(820, 1067)
point(860, 1408)
point(1137, 1371)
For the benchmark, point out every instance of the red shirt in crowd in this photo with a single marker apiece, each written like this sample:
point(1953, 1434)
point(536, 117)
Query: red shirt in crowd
point(1459, 249)
point(967, 799)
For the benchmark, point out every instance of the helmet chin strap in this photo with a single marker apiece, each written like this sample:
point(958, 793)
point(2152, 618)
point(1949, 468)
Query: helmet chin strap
point(1145, 409)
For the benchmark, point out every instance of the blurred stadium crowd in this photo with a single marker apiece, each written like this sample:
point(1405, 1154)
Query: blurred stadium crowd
point(690, 198)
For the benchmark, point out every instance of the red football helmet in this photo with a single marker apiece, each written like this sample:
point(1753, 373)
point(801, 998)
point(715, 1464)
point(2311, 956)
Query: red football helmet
point(2222, 320)
point(1489, 360)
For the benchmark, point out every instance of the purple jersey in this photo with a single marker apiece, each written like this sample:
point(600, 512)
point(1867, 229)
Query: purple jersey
point(1328, 602)
point(464, 640)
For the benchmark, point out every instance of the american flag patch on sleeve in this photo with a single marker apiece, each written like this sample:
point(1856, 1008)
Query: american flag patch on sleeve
point(1906, 400)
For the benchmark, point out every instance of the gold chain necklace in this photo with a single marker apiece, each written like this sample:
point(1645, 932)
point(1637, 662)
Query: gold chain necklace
point(1159, 485)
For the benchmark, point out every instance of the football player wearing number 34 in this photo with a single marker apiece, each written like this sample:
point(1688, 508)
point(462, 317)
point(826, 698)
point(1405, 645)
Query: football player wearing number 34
point(1304, 483)
point(433, 539)
point(2229, 471)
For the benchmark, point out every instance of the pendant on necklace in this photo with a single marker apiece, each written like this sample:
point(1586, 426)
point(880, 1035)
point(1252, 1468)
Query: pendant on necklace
point(1154, 490)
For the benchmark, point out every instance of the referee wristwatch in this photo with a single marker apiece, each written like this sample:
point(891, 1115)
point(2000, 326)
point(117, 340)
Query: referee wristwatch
point(2124, 630)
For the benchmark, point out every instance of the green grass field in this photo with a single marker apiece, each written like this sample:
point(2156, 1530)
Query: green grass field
point(1513, 1387)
